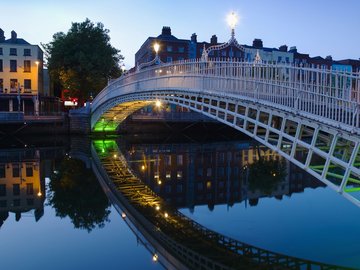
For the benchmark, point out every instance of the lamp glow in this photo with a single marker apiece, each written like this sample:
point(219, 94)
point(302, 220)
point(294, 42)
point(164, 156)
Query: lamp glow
point(158, 103)
point(232, 20)
point(156, 47)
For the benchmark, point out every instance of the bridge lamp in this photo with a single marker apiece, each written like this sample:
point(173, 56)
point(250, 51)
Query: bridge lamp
point(142, 167)
point(115, 156)
point(123, 215)
point(123, 68)
point(155, 258)
point(158, 103)
point(166, 215)
point(232, 20)
point(156, 47)
point(159, 182)
point(157, 207)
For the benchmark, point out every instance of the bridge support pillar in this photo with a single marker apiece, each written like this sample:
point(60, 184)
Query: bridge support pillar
point(80, 121)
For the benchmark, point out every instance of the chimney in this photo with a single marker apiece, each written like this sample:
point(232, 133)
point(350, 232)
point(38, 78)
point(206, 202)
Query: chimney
point(257, 43)
point(293, 49)
point(213, 39)
point(166, 31)
point(194, 37)
point(13, 35)
point(2, 36)
point(283, 48)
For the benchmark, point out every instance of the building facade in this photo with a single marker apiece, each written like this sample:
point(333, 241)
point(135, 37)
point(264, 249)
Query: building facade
point(21, 75)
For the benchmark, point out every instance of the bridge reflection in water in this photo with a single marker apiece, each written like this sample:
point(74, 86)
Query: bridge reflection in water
point(175, 240)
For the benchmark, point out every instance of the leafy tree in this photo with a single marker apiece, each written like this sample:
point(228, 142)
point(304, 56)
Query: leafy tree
point(82, 60)
point(75, 192)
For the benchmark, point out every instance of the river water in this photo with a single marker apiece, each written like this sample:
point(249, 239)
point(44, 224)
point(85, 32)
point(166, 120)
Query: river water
point(55, 215)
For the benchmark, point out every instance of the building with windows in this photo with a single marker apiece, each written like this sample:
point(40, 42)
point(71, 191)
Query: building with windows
point(21, 74)
point(171, 48)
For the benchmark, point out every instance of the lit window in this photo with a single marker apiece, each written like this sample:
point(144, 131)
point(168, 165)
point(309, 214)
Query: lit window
point(179, 175)
point(169, 48)
point(168, 175)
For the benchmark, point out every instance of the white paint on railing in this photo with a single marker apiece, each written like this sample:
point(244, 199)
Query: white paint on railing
point(331, 97)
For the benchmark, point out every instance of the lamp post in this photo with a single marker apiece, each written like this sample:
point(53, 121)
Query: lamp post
point(37, 92)
point(156, 49)
point(232, 20)
point(123, 68)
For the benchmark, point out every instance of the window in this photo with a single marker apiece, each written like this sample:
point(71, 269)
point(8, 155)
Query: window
point(16, 170)
point(27, 52)
point(223, 53)
point(179, 175)
point(27, 86)
point(287, 59)
point(2, 171)
point(169, 48)
point(27, 66)
point(181, 49)
point(13, 51)
point(1, 51)
point(279, 58)
point(16, 202)
point(179, 160)
point(168, 160)
point(168, 59)
point(16, 189)
point(30, 202)
point(208, 172)
point(3, 203)
point(1, 65)
point(2, 190)
point(1, 85)
point(29, 189)
point(13, 66)
point(179, 188)
point(168, 175)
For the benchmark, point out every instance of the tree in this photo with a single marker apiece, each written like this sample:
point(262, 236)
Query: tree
point(75, 192)
point(82, 60)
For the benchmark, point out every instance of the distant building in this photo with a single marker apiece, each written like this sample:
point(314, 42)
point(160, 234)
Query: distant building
point(268, 55)
point(171, 48)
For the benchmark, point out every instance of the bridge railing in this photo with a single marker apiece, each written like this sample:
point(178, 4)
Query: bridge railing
point(328, 95)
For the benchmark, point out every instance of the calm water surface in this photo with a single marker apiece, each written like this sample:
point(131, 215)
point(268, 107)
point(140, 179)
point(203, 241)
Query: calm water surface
point(55, 215)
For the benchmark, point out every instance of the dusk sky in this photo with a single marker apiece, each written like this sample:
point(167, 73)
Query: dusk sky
point(317, 27)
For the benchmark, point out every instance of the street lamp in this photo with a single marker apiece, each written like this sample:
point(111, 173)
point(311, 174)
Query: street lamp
point(232, 20)
point(123, 68)
point(37, 94)
point(156, 49)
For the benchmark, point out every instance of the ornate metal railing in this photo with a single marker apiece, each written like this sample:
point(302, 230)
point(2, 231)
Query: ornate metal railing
point(328, 96)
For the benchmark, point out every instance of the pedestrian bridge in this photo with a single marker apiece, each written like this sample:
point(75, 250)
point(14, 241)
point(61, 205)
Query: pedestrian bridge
point(308, 115)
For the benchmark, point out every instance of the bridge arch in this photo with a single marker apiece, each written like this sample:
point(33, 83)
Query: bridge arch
point(313, 125)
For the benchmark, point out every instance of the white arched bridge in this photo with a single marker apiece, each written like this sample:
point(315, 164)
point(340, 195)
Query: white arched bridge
point(309, 115)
